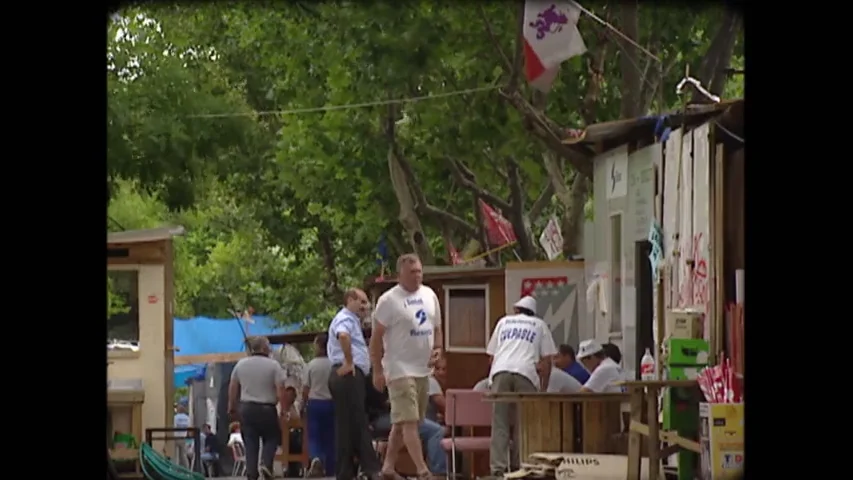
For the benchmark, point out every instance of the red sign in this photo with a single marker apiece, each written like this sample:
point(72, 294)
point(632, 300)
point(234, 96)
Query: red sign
point(152, 298)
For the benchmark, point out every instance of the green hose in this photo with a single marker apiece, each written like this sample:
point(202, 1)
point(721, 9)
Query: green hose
point(158, 467)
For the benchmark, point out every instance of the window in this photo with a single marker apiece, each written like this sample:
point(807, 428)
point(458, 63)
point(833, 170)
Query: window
point(123, 308)
point(466, 318)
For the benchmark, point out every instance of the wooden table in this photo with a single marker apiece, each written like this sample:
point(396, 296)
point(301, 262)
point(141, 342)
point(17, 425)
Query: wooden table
point(547, 420)
point(650, 390)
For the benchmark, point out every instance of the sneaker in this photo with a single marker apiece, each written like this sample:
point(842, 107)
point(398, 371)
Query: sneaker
point(265, 472)
point(315, 469)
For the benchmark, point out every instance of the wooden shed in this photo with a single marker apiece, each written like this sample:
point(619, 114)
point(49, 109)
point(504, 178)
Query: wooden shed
point(474, 298)
point(140, 388)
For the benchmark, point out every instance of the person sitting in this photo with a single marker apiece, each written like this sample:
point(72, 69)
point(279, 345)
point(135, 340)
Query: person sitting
point(435, 408)
point(558, 381)
point(235, 436)
point(605, 375)
point(483, 385)
point(379, 414)
point(565, 360)
point(210, 453)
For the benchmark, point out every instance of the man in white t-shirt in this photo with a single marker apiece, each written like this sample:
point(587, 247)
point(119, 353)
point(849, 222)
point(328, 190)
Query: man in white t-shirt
point(519, 344)
point(407, 326)
point(604, 372)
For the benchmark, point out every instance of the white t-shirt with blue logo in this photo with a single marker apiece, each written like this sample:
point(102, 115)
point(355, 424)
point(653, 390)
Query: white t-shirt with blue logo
point(409, 319)
point(518, 343)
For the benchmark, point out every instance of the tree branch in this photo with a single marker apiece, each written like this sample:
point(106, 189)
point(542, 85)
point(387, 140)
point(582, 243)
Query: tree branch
point(519, 48)
point(541, 202)
point(494, 39)
point(494, 164)
point(421, 204)
point(516, 213)
point(464, 177)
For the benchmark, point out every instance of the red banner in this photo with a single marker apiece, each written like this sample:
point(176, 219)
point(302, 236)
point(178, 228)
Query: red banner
point(498, 229)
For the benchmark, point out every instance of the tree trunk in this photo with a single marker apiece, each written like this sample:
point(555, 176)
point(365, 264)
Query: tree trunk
point(327, 251)
point(718, 56)
point(408, 216)
point(632, 82)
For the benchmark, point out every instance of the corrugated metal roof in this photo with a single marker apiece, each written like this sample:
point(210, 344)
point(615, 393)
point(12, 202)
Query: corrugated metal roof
point(626, 130)
point(146, 235)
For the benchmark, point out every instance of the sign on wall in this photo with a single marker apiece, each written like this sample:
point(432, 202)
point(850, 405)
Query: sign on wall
point(559, 291)
point(617, 175)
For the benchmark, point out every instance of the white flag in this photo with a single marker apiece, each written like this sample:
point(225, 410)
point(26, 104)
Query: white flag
point(551, 239)
point(551, 37)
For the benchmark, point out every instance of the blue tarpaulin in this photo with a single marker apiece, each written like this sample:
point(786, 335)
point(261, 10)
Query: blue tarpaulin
point(203, 336)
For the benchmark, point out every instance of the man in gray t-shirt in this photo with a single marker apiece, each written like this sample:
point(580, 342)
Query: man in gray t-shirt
point(319, 410)
point(259, 381)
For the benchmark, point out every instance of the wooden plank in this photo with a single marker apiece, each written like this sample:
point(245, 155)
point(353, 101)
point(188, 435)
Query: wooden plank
point(634, 437)
point(115, 397)
point(654, 440)
point(538, 430)
point(600, 420)
point(567, 419)
point(556, 397)
point(631, 384)
point(718, 258)
point(208, 358)
point(666, 436)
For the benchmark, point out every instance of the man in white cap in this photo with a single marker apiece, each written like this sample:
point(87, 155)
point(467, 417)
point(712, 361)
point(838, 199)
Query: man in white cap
point(604, 372)
point(519, 344)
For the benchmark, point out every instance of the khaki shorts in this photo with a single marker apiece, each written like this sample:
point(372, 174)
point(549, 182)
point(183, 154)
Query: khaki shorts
point(409, 397)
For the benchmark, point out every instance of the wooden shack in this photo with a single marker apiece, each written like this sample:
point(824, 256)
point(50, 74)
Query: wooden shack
point(140, 388)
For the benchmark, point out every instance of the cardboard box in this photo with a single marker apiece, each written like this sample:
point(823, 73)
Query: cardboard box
point(685, 324)
point(721, 440)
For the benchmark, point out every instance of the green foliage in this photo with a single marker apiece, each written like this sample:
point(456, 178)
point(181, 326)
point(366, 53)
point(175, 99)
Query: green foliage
point(282, 212)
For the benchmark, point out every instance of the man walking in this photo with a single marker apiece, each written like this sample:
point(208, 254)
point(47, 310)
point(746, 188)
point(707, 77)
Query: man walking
point(259, 380)
point(408, 323)
point(520, 344)
point(347, 350)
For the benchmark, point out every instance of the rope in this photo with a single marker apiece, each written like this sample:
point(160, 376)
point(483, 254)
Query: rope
point(348, 106)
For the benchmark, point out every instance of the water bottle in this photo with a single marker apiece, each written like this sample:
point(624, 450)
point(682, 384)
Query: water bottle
point(647, 366)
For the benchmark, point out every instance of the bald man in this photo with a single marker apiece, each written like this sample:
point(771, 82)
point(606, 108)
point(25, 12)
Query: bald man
point(347, 351)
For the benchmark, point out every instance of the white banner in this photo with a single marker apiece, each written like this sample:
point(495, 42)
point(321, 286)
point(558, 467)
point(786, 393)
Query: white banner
point(551, 239)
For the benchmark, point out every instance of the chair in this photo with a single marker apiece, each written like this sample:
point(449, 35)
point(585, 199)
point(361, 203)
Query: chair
point(238, 451)
point(465, 408)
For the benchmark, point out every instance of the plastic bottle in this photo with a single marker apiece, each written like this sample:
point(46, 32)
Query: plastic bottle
point(647, 366)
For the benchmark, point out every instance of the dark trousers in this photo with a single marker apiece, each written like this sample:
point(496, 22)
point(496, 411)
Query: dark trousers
point(259, 421)
point(321, 432)
point(352, 436)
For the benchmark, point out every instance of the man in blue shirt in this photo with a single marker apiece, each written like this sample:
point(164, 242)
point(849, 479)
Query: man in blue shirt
point(567, 362)
point(347, 351)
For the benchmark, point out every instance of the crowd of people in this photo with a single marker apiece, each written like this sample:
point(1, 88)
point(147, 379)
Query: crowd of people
point(389, 384)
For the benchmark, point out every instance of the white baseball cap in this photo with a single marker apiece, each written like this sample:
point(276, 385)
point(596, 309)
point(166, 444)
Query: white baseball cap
point(588, 348)
point(527, 302)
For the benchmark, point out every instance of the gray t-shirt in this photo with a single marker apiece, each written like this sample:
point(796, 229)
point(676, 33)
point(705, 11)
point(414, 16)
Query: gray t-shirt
point(561, 382)
point(316, 378)
point(258, 376)
point(483, 385)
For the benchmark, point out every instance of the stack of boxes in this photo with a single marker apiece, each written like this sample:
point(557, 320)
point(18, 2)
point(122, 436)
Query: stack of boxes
point(686, 353)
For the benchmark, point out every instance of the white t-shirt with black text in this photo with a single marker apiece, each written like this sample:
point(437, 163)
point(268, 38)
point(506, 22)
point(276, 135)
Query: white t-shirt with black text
point(604, 378)
point(409, 319)
point(562, 382)
point(518, 342)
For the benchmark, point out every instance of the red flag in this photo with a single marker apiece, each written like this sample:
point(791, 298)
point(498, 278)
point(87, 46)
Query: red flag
point(498, 229)
point(455, 258)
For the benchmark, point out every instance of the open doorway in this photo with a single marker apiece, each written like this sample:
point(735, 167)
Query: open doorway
point(644, 298)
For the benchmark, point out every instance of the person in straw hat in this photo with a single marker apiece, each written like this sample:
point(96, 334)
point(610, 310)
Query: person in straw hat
point(604, 372)
point(520, 345)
